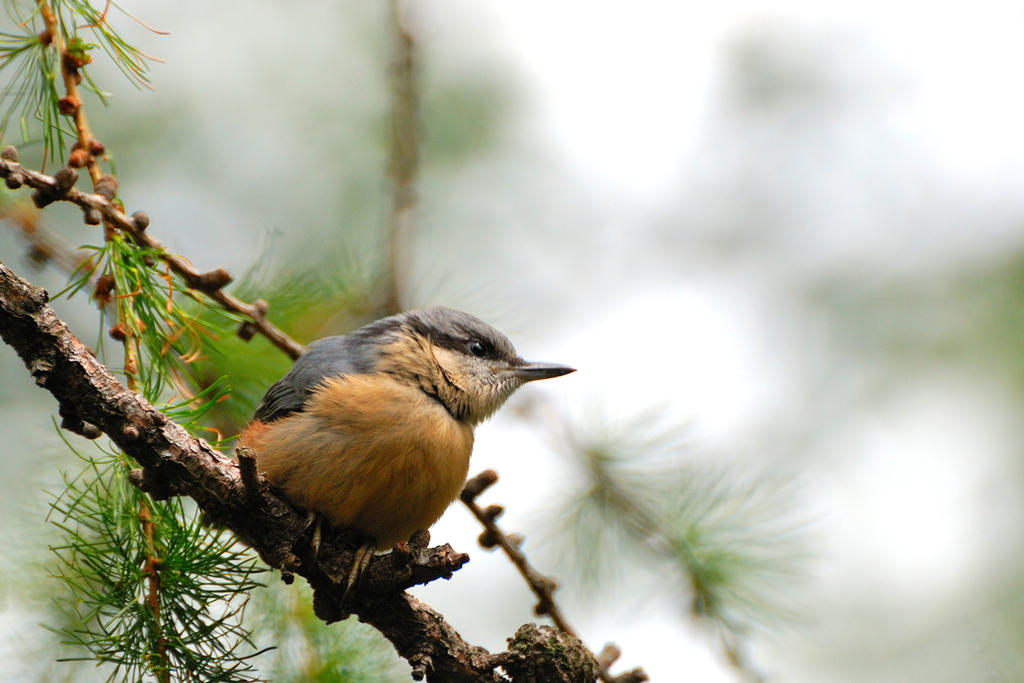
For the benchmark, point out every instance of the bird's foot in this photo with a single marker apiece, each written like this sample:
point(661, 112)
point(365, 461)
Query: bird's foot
point(360, 561)
point(316, 522)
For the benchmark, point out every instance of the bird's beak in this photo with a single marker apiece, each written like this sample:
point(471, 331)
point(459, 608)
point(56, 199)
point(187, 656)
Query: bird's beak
point(528, 372)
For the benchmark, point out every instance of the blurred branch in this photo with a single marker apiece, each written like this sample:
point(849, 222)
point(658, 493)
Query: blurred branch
point(102, 207)
point(542, 586)
point(43, 246)
point(175, 463)
point(403, 164)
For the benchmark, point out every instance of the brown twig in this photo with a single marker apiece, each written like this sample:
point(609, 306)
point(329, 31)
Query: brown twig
point(71, 103)
point(153, 579)
point(51, 188)
point(84, 153)
point(542, 586)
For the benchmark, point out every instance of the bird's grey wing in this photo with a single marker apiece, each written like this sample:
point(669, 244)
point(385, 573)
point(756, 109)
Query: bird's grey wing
point(327, 357)
point(282, 399)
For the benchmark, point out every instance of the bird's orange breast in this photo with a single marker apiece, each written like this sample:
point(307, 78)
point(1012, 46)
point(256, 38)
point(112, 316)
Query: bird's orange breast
point(370, 453)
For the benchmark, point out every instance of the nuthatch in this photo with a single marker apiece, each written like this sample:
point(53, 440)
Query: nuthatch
point(373, 430)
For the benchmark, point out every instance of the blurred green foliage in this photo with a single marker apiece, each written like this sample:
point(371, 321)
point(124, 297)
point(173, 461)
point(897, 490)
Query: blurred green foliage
point(308, 650)
point(727, 542)
point(971, 318)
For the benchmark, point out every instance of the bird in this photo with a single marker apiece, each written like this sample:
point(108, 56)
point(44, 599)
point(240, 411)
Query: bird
point(373, 430)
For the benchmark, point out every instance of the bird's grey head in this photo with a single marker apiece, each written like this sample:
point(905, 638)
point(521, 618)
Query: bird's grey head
point(460, 360)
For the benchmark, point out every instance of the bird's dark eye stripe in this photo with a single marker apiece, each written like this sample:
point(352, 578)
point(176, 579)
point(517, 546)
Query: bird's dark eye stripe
point(466, 344)
point(452, 342)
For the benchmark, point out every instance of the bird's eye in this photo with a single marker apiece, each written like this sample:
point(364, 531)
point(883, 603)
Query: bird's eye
point(477, 349)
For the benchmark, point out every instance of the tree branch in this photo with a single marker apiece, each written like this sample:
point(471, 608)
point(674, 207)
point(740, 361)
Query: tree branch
point(175, 463)
point(542, 586)
point(60, 187)
point(404, 155)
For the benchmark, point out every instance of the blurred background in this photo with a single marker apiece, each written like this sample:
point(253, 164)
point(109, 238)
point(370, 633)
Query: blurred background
point(783, 244)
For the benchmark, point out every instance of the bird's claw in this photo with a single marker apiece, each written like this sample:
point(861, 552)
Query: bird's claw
point(360, 561)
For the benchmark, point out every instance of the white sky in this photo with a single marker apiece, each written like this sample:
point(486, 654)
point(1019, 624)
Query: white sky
point(593, 68)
